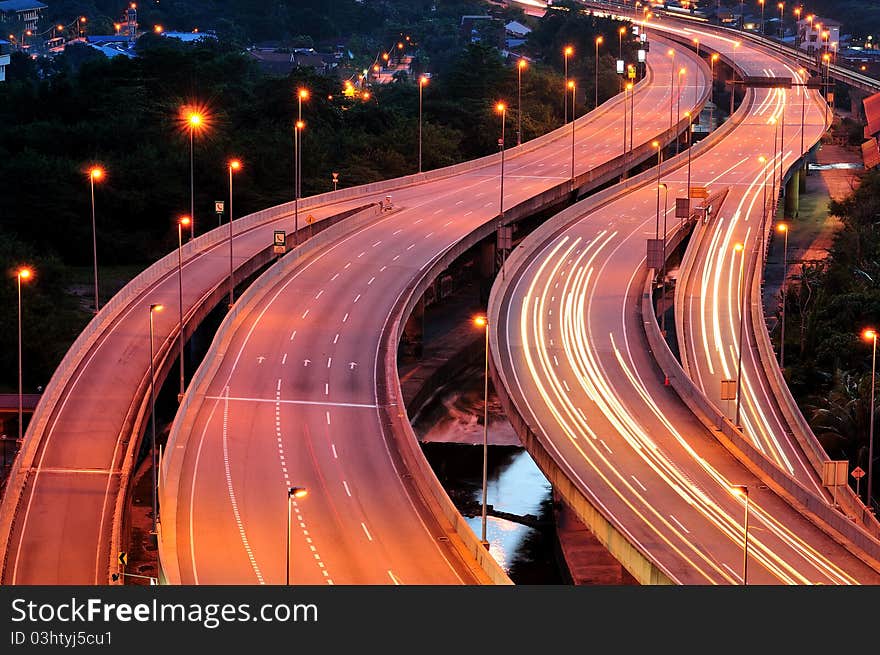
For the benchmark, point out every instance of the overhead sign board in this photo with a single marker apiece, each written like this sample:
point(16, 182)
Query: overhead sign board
point(699, 192)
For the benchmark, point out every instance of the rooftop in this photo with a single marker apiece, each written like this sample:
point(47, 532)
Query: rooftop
point(20, 5)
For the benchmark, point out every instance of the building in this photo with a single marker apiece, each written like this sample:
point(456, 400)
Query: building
point(4, 59)
point(282, 61)
point(817, 34)
point(21, 15)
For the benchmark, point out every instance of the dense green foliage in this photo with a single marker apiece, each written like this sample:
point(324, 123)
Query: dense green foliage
point(59, 116)
point(828, 306)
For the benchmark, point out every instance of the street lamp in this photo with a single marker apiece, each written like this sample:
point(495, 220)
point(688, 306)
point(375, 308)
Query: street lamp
point(195, 121)
point(740, 248)
point(656, 144)
point(234, 165)
point(781, 6)
point(301, 94)
point(483, 322)
point(423, 81)
point(292, 492)
point(567, 52)
point(501, 108)
point(620, 34)
point(733, 75)
point(782, 228)
point(155, 307)
point(681, 71)
point(626, 89)
point(599, 41)
point(520, 66)
point(96, 174)
point(182, 222)
point(665, 188)
point(297, 142)
point(671, 53)
point(827, 59)
point(761, 2)
point(872, 335)
point(571, 86)
point(21, 274)
point(797, 38)
point(743, 491)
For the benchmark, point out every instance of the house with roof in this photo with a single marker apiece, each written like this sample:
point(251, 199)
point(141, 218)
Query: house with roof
point(4, 59)
point(21, 15)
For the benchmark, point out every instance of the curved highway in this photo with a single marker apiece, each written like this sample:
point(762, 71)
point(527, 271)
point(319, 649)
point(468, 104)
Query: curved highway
point(569, 345)
point(295, 403)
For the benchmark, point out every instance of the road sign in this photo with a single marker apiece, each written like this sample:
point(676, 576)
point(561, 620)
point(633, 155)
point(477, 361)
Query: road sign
point(279, 243)
point(656, 252)
point(766, 82)
point(834, 472)
point(699, 192)
point(682, 207)
point(728, 389)
point(123, 558)
point(620, 66)
point(858, 473)
point(219, 206)
point(310, 219)
point(335, 176)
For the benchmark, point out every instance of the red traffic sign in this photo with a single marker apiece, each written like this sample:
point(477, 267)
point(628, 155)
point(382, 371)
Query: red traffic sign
point(858, 473)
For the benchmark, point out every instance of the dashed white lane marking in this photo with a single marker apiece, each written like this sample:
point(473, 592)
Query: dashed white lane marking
point(372, 279)
point(305, 313)
point(294, 402)
point(333, 448)
point(347, 490)
point(377, 243)
point(336, 338)
point(636, 480)
point(393, 577)
point(679, 524)
point(329, 361)
point(231, 492)
point(345, 318)
point(328, 417)
point(357, 297)
point(362, 254)
point(284, 359)
point(395, 233)
point(326, 388)
point(294, 506)
point(411, 246)
point(333, 279)
point(347, 265)
point(293, 335)
point(278, 386)
point(364, 526)
point(319, 294)
point(469, 213)
point(382, 269)
point(395, 258)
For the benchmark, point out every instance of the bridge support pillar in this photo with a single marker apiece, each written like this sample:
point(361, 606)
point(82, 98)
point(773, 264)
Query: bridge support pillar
point(792, 194)
point(414, 330)
point(487, 268)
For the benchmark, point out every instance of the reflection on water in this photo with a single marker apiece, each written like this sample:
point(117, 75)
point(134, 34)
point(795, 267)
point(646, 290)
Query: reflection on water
point(452, 421)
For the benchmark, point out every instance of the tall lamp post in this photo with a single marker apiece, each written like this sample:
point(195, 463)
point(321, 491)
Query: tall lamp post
point(571, 85)
point(626, 89)
point(234, 165)
point(783, 228)
point(743, 491)
point(566, 53)
point(195, 121)
point(155, 307)
point(182, 222)
point(740, 248)
point(96, 174)
point(599, 41)
point(423, 81)
point(298, 127)
point(483, 322)
point(781, 6)
point(501, 108)
point(301, 94)
point(681, 72)
point(665, 188)
point(761, 2)
point(733, 76)
point(21, 274)
point(671, 53)
point(657, 145)
point(689, 149)
point(520, 67)
point(872, 336)
point(292, 493)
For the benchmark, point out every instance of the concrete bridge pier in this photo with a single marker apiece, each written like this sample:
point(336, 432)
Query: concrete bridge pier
point(792, 193)
point(414, 330)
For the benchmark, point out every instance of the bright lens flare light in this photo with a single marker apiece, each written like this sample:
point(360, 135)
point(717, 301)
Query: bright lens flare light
point(235, 164)
point(157, 308)
point(297, 492)
point(869, 334)
point(96, 173)
point(782, 228)
point(738, 247)
point(481, 321)
point(500, 107)
point(185, 221)
point(303, 94)
point(24, 273)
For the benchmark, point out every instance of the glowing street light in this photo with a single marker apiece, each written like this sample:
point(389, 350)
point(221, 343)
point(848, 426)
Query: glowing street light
point(298, 127)
point(599, 41)
point(155, 307)
point(567, 52)
point(233, 166)
point(21, 274)
point(782, 228)
point(96, 174)
point(671, 53)
point(781, 7)
point(293, 493)
point(665, 188)
point(301, 94)
point(423, 82)
point(483, 323)
point(182, 222)
point(761, 2)
point(871, 335)
point(501, 108)
point(656, 144)
point(196, 122)
point(571, 86)
point(620, 34)
point(743, 491)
